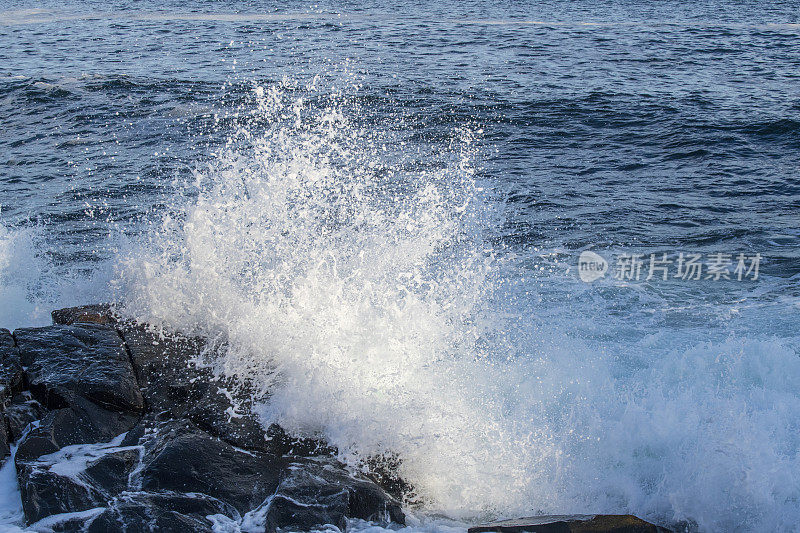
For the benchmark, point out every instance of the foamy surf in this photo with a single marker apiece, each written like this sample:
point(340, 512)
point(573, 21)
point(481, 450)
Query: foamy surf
point(368, 304)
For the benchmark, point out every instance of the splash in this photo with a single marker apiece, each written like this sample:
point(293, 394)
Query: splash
point(32, 284)
point(348, 289)
point(350, 273)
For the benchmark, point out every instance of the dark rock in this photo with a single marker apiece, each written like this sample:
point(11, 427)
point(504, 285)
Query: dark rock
point(45, 493)
point(110, 472)
point(180, 449)
point(285, 444)
point(59, 471)
point(213, 410)
point(85, 314)
point(143, 512)
point(84, 423)
point(175, 387)
point(180, 457)
point(66, 522)
point(164, 368)
point(22, 411)
point(318, 491)
point(90, 361)
point(75, 478)
point(11, 376)
point(4, 440)
point(384, 470)
point(572, 524)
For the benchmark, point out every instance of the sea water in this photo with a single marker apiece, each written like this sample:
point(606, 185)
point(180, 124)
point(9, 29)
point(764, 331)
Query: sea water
point(379, 212)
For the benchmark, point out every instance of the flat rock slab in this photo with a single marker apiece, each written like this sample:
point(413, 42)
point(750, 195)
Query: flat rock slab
point(64, 362)
point(84, 314)
point(571, 524)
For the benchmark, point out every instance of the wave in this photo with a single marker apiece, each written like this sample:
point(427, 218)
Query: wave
point(350, 275)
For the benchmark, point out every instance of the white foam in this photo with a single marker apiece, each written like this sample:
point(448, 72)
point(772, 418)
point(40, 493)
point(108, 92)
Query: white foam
point(366, 299)
point(11, 516)
point(31, 285)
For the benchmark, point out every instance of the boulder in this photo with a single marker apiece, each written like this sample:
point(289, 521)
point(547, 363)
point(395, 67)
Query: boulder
point(83, 423)
point(11, 376)
point(123, 429)
point(5, 449)
point(179, 457)
point(45, 494)
point(572, 524)
point(164, 368)
point(141, 512)
point(318, 491)
point(66, 522)
point(175, 386)
point(22, 411)
point(90, 361)
point(75, 478)
point(85, 314)
point(145, 512)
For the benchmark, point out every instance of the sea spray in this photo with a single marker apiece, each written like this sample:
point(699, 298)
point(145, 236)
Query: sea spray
point(348, 289)
point(354, 274)
point(33, 282)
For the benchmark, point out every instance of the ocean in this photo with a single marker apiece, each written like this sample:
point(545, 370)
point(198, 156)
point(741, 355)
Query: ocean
point(547, 254)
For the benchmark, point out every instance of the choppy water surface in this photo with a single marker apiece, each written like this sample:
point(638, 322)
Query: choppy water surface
point(381, 209)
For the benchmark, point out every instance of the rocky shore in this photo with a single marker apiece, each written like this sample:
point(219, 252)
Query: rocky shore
point(114, 428)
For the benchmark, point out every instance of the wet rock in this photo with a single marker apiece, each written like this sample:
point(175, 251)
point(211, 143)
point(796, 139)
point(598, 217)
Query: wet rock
point(60, 470)
point(284, 444)
point(45, 494)
point(11, 376)
point(572, 524)
point(110, 471)
point(83, 423)
point(75, 478)
point(84, 314)
point(384, 470)
point(180, 449)
point(175, 387)
point(164, 368)
point(5, 449)
point(179, 457)
point(318, 491)
point(22, 411)
point(66, 362)
point(141, 512)
point(66, 522)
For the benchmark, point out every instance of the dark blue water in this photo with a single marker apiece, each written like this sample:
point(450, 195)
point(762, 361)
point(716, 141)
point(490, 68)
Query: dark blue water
point(624, 127)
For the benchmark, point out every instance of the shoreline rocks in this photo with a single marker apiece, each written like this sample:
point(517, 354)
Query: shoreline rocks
point(571, 524)
point(118, 429)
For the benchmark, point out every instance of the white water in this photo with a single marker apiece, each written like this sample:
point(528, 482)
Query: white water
point(31, 285)
point(366, 299)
